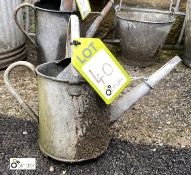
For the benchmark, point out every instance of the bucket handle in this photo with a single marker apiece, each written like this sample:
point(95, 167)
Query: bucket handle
point(18, 24)
point(9, 85)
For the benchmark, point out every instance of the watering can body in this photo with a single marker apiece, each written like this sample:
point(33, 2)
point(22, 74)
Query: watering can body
point(73, 124)
point(51, 28)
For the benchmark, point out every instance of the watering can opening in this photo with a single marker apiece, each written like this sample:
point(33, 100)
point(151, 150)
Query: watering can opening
point(58, 72)
point(48, 4)
point(55, 6)
point(51, 70)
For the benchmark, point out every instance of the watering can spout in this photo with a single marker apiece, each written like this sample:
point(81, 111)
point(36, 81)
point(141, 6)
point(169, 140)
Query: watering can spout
point(125, 102)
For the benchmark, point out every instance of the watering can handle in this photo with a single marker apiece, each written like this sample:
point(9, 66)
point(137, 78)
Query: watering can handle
point(18, 24)
point(13, 91)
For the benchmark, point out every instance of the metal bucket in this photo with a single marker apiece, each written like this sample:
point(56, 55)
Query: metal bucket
point(73, 119)
point(12, 42)
point(142, 34)
point(51, 31)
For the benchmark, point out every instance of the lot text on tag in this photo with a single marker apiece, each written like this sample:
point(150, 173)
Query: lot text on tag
point(100, 68)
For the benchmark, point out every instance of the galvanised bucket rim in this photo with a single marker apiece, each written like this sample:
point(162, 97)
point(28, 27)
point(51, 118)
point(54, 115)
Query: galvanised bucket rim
point(169, 21)
point(53, 11)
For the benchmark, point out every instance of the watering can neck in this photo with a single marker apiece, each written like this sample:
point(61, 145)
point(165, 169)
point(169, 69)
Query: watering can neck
point(125, 103)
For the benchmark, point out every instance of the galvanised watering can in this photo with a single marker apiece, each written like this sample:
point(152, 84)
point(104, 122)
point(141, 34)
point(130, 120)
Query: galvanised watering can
point(73, 120)
point(51, 21)
point(51, 31)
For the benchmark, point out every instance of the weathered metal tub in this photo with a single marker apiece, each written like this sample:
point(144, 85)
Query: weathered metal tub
point(12, 42)
point(142, 34)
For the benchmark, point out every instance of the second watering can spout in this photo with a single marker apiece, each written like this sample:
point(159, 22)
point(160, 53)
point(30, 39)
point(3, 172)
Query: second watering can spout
point(124, 103)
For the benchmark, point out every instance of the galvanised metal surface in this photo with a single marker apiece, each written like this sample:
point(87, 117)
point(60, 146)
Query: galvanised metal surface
point(51, 32)
point(142, 34)
point(73, 127)
point(12, 42)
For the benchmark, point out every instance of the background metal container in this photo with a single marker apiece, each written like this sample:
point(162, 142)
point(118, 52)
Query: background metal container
point(142, 34)
point(51, 31)
point(12, 42)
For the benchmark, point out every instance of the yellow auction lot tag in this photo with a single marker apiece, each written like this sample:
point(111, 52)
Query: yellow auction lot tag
point(100, 68)
point(84, 7)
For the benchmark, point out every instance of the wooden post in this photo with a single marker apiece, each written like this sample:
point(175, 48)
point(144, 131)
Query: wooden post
point(96, 24)
point(187, 52)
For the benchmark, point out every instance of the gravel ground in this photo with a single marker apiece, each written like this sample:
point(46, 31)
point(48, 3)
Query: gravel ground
point(25, 83)
point(121, 158)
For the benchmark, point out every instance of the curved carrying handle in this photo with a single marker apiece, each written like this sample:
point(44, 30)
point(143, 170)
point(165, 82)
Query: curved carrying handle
point(13, 91)
point(17, 22)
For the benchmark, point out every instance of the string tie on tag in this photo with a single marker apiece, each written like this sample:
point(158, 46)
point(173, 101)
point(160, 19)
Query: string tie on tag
point(75, 43)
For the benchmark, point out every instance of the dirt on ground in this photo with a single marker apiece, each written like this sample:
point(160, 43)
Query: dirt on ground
point(18, 138)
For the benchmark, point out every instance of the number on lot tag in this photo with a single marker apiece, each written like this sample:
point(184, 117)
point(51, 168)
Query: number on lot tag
point(84, 7)
point(100, 68)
